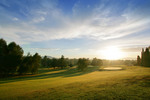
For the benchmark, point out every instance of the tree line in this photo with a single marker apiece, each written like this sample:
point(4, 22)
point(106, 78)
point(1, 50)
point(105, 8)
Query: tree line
point(13, 61)
point(81, 63)
point(144, 60)
point(61, 63)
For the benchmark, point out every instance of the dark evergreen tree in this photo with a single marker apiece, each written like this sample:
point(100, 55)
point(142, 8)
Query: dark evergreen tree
point(3, 53)
point(54, 63)
point(145, 57)
point(62, 62)
point(12, 60)
point(142, 57)
point(44, 61)
point(30, 64)
point(36, 62)
point(14, 57)
point(26, 65)
point(138, 60)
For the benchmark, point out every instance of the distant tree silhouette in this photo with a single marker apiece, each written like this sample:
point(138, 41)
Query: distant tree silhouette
point(62, 62)
point(54, 63)
point(58, 62)
point(72, 62)
point(138, 60)
point(36, 62)
point(71, 65)
point(142, 57)
point(46, 62)
point(82, 63)
point(96, 62)
point(26, 64)
point(145, 57)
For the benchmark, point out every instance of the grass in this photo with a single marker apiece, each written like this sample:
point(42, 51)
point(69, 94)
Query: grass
point(132, 83)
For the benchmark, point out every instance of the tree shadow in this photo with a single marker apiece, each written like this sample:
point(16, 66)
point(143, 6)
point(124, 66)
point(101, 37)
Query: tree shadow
point(43, 74)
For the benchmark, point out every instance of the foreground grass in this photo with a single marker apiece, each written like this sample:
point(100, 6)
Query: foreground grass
point(132, 83)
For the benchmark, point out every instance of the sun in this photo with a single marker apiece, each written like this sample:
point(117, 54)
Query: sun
point(112, 53)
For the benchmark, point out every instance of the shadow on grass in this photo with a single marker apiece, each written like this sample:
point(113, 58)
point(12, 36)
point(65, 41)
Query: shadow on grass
point(43, 74)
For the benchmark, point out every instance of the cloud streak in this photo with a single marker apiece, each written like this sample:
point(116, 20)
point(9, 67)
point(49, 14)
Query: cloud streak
point(98, 22)
point(124, 23)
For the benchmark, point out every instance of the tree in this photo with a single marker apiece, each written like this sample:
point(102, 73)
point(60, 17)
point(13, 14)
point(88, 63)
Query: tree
point(12, 60)
point(3, 47)
point(82, 63)
point(71, 65)
point(30, 64)
point(36, 62)
point(13, 57)
point(142, 57)
point(62, 62)
point(54, 63)
point(3, 53)
point(138, 60)
point(72, 62)
point(44, 61)
point(96, 62)
point(145, 57)
point(25, 66)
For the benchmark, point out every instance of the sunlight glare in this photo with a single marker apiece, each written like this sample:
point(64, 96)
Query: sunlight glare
point(112, 53)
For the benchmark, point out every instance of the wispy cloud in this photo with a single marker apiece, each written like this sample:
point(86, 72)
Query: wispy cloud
point(98, 22)
point(73, 49)
point(37, 20)
point(46, 49)
point(110, 22)
point(15, 19)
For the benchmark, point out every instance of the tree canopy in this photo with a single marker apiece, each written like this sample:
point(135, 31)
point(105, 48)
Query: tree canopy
point(82, 63)
point(13, 61)
point(145, 58)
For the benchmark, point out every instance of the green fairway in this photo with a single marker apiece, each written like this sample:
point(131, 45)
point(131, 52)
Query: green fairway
point(130, 83)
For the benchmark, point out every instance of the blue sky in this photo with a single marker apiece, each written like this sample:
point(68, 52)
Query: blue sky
point(76, 28)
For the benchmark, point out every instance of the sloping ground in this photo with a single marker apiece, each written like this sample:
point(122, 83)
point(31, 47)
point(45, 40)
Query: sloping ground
point(132, 83)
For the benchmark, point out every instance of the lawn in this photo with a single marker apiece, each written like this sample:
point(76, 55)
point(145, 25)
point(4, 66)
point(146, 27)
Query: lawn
point(131, 83)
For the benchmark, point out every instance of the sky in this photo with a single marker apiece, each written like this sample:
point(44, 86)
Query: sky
point(76, 28)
